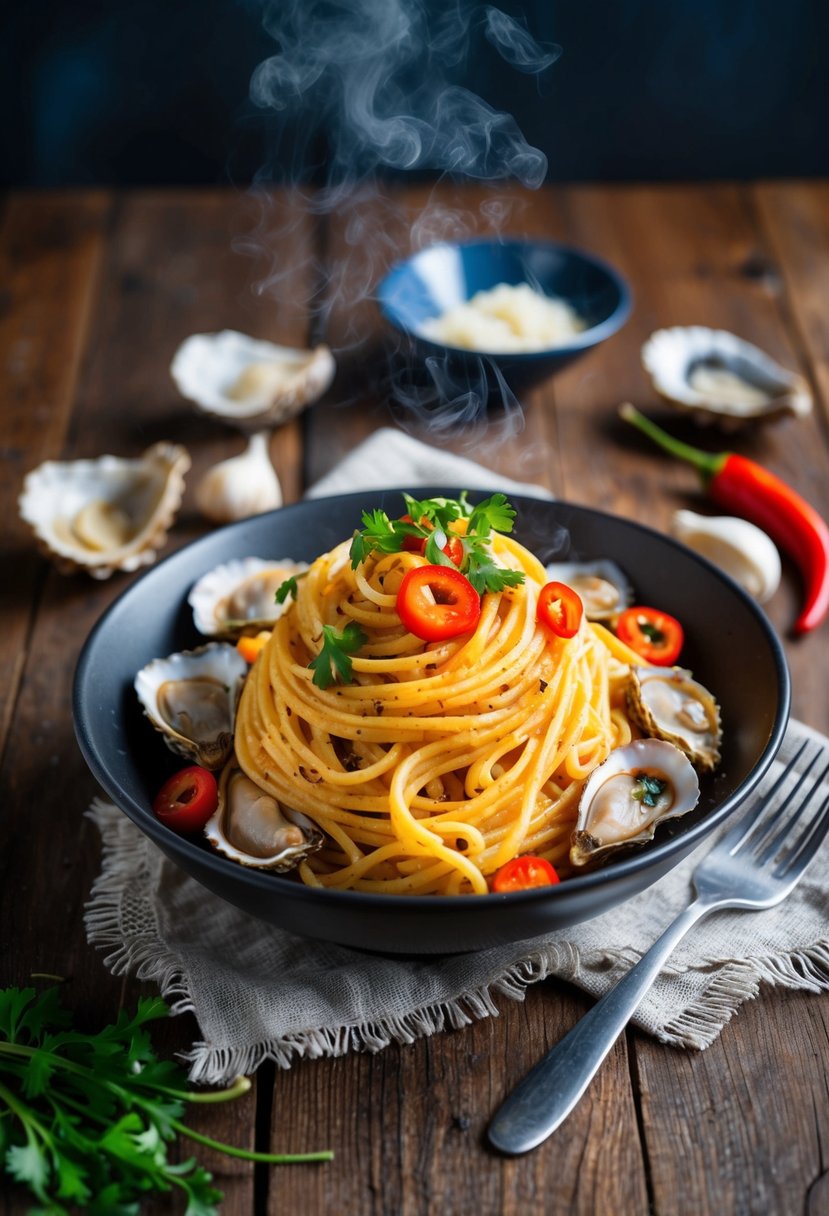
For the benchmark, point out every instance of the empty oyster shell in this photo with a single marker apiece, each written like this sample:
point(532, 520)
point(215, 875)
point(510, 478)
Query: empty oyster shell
point(191, 699)
point(667, 703)
point(107, 514)
point(247, 381)
point(717, 376)
point(637, 787)
point(602, 586)
point(238, 598)
point(249, 825)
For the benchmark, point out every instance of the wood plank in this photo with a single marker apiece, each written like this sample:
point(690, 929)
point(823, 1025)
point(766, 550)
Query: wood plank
point(743, 1125)
point(408, 1125)
point(168, 271)
point(795, 217)
point(795, 221)
point(50, 253)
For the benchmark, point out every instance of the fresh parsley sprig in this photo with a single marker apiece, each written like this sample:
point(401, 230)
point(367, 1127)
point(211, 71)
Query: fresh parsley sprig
point(85, 1119)
point(430, 520)
point(333, 663)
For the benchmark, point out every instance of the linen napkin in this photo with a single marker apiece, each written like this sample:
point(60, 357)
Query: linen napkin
point(389, 458)
point(260, 993)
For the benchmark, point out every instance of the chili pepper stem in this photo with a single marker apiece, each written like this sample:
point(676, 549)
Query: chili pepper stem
point(746, 488)
point(707, 464)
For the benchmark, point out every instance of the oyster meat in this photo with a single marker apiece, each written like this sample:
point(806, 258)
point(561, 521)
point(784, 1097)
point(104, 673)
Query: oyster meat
point(247, 381)
point(602, 586)
point(191, 699)
point(639, 786)
point(251, 827)
point(667, 703)
point(714, 374)
point(239, 597)
point(107, 514)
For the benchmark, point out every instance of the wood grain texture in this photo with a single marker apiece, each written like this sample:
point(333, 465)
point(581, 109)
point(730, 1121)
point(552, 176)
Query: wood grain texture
point(408, 1126)
point(100, 291)
point(50, 251)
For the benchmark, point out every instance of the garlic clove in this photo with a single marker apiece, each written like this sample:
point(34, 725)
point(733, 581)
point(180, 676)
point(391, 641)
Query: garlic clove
point(243, 485)
point(737, 546)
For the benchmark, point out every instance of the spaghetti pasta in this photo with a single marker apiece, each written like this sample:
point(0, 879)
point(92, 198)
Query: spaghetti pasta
point(439, 761)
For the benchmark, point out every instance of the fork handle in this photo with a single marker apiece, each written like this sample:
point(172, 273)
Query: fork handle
point(548, 1093)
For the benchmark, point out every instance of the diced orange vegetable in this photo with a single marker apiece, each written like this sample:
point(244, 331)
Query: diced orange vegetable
point(249, 647)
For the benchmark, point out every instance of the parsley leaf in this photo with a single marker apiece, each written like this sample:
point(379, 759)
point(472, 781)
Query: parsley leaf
point(439, 512)
point(333, 665)
point(288, 587)
point(494, 514)
point(486, 575)
point(381, 533)
point(85, 1119)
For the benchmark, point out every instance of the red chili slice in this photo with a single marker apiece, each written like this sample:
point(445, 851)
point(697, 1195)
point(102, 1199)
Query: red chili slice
point(560, 609)
point(525, 872)
point(654, 635)
point(186, 800)
point(436, 603)
point(417, 544)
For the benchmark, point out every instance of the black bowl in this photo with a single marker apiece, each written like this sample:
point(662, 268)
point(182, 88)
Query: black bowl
point(449, 273)
point(731, 648)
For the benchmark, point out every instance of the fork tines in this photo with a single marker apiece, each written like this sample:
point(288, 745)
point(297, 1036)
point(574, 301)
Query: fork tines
point(767, 834)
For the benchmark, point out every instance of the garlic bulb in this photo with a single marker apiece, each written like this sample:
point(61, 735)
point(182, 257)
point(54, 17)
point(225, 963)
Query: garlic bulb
point(735, 545)
point(243, 485)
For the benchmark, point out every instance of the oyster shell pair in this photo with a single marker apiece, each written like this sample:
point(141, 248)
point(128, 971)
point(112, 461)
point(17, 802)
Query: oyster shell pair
point(716, 376)
point(651, 780)
point(107, 514)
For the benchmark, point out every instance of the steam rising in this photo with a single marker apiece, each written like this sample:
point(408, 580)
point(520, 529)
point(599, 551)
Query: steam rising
point(373, 87)
point(376, 77)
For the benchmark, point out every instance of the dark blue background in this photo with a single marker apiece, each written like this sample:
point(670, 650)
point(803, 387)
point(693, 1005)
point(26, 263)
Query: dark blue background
point(155, 91)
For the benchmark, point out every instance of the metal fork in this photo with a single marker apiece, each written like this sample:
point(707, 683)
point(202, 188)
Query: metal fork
point(755, 865)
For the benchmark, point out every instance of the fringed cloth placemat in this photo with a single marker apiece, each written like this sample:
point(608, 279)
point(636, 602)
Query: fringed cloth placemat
point(259, 993)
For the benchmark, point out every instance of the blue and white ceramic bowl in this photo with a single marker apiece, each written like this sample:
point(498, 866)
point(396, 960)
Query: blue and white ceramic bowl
point(449, 273)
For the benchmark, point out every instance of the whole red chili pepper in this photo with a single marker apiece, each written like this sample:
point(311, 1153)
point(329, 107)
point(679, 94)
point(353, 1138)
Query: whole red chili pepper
point(747, 489)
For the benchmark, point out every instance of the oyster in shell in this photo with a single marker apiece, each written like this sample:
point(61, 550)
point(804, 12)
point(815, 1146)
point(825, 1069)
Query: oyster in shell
point(107, 514)
point(249, 382)
point(602, 586)
point(249, 826)
point(239, 597)
point(715, 375)
point(637, 787)
point(667, 703)
point(191, 699)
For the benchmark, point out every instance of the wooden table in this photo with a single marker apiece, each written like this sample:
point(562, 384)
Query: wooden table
point(97, 291)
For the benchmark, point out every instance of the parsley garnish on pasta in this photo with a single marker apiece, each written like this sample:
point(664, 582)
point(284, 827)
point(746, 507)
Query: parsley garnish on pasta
point(431, 520)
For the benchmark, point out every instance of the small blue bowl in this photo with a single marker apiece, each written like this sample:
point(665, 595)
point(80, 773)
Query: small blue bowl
point(446, 274)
